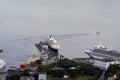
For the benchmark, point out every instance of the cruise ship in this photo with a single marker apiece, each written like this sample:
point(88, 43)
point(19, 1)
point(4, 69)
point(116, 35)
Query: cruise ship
point(48, 49)
point(52, 43)
point(103, 52)
point(2, 64)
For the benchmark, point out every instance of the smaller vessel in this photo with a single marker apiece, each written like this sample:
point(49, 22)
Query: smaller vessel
point(2, 64)
point(97, 33)
point(32, 59)
point(3, 72)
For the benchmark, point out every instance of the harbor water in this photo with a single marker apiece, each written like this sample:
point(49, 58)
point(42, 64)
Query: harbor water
point(73, 22)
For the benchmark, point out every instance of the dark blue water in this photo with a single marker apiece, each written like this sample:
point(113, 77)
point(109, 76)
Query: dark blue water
point(73, 22)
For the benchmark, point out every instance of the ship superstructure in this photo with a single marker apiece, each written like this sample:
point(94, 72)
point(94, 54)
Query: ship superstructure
point(52, 43)
point(2, 64)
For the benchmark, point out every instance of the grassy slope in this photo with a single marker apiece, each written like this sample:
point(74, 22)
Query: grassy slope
point(78, 78)
point(82, 78)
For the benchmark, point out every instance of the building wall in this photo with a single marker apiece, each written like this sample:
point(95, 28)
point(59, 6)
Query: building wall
point(102, 64)
point(42, 77)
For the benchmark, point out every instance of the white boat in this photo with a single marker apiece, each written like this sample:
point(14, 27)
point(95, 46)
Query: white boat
point(33, 58)
point(53, 43)
point(2, 64)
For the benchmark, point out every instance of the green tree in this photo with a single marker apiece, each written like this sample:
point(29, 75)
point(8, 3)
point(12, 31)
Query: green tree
point(66, 63)
point(112, 69)
point(73, 73)
point(58, 73)
point(89, 69)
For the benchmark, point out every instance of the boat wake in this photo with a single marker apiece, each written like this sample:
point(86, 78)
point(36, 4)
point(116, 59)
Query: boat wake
point(67, 36)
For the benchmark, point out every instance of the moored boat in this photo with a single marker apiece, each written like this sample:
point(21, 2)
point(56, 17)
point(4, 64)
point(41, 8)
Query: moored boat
point(101, 51)
point(2, 64)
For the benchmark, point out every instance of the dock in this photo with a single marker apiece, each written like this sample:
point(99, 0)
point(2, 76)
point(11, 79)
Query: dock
point(38, 47)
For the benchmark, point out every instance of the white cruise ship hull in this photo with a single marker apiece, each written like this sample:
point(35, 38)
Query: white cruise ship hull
point(54, 46)
point(52, 43)
point(2, 64)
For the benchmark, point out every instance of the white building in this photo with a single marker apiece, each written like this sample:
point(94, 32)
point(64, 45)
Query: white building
point(42, 76)
point(103, 63)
